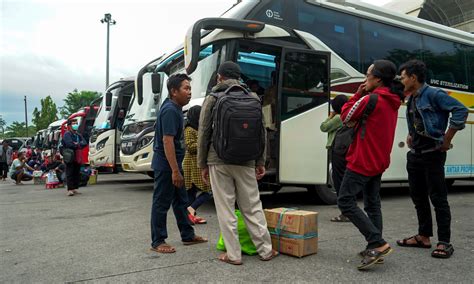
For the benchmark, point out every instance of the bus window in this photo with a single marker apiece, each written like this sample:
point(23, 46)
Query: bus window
point(304, 83)
point(470, 65)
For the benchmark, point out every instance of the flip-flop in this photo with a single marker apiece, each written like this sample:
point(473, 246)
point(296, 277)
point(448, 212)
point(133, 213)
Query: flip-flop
point(272, 256)
point(164, 248)
point(225, 258)
point(372, 257)
point(195, 240)
point(418, 244)
point(445, 252)
point(199, 220)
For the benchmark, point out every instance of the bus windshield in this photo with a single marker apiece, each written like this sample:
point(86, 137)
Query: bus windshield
point(102, 119)
point(145, 111)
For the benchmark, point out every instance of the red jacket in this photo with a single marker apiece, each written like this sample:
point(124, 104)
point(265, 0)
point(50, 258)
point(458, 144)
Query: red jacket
point(371, 156)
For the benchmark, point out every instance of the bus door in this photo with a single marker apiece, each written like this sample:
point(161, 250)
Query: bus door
point(302, 104)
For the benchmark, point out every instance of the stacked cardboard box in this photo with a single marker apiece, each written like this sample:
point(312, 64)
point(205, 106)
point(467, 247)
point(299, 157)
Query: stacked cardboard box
point(38, 177)
point(294, 232)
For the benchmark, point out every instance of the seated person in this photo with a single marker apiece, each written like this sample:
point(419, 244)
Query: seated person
point(255, 87)
point(18, 169)
point(58, 166)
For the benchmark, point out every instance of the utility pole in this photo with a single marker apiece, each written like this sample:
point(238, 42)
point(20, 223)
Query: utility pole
point(108, 20)
point(26, 118)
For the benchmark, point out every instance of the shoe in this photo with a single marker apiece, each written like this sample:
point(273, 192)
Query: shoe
point(70, 193)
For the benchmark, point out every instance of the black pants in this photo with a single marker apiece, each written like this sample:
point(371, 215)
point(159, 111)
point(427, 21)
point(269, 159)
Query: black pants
point(369, 225)
point(338, 166)
point(73, 175)
point(426, 180)
point(3, 169)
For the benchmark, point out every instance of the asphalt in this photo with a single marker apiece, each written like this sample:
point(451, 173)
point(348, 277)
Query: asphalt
point(103, 236)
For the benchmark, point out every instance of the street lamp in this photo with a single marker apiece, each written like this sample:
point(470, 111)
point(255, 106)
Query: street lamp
point(107, 19)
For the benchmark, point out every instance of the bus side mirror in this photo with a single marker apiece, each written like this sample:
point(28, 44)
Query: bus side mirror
point(108, 100)
point(156, 83)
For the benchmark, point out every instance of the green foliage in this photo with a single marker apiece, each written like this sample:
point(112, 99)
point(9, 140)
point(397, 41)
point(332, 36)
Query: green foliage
point(76, 100)
point(18, 129)
point(47, 115)
point(3, 123)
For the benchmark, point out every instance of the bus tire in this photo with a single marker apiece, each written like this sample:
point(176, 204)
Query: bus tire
point(325, 193)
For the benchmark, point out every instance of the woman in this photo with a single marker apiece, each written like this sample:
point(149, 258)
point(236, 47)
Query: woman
point(198, 191)
point(338, 162)
point(73, 140)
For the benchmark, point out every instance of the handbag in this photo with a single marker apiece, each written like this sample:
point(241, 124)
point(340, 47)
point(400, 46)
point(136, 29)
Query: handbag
point(79, 158)
point(246, 243)
point(68, 155)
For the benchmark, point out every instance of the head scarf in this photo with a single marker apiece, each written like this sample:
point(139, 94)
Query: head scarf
point(193, 117)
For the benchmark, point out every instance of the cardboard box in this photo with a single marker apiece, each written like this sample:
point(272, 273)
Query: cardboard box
point(39, 180)
point(293, 232)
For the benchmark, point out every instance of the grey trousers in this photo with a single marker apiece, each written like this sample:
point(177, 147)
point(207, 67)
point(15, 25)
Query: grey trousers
point(231, 183)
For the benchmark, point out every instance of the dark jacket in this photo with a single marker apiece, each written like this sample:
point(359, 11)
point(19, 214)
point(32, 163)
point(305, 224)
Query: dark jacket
point(70, 137)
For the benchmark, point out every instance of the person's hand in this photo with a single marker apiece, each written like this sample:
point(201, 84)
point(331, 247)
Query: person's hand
point(361, 90)
point(259, 172)
point(409, 141)
point(177, 178)
point(332, 114)
point(446, 145)
point(205, 175)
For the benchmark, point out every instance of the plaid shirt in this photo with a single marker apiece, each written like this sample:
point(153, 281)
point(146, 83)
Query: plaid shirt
point(192, 174)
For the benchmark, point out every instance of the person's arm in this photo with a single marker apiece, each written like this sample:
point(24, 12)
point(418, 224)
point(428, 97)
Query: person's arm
point(82, 141)
point(205, 131)
point(332, 123)
point(170, 124)
point(190, 138)
point(68, 141)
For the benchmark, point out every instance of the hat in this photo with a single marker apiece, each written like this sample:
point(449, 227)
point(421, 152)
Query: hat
point(229, 70)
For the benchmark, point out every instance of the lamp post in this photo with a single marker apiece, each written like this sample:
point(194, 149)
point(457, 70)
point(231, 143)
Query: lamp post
point(26, 119)
point(108, 20)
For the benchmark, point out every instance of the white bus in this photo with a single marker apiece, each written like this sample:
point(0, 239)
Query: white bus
point(304, 52)
point(104, 142)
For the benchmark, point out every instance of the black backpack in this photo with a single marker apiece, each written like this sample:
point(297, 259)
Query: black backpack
point(345, 135)
point(238, 132)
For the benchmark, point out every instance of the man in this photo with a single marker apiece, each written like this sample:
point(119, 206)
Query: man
point(168, 156)
point(369, 156)
point(6, 153)
point(428, 144)
point(17, 169)
point(232, 182)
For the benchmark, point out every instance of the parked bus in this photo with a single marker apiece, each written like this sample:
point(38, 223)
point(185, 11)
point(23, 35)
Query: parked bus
point(105, 136)
point(51, 137)
point(39, 139)
point(320, 49)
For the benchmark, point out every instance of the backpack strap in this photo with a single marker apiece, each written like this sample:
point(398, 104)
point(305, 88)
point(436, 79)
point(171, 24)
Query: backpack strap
point(369, 108)
point(235, 86)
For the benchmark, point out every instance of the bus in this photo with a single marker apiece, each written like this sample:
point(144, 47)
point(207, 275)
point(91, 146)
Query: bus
point(106, 131)
point(320, 49)
point(51, 137)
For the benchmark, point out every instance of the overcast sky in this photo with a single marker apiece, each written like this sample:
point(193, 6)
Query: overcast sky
point(51, 47)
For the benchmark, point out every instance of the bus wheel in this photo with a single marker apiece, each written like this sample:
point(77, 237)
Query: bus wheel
point(325, 193)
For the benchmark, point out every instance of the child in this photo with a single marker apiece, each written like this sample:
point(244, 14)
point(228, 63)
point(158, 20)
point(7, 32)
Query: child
point(198, 191)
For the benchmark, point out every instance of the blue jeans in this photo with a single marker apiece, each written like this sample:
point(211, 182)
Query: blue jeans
point(196, 202)
point(369, 225)
point(166, 194)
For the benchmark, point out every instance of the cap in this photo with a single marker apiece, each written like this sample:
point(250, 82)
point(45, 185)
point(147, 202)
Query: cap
point(229, 70)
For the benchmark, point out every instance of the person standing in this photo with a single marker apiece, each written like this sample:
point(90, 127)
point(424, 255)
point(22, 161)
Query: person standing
point(369, 156)
point(168, 155)
point(338, 162)
point(429, 143)
point(6, 153)
point(231, 182)
point(74, 141)
point(198, 191)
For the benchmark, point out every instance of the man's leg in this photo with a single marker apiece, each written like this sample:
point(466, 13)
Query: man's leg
point(372, 206)
point(439, 195)
point(352, 184)
point(248, 199)
point(417, 180)
point(180, 202)
point(223, 187)
point(162, 198)
point(338, 165)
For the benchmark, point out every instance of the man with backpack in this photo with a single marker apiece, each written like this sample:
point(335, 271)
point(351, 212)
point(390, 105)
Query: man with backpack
point(369, 155)
point(231, 152)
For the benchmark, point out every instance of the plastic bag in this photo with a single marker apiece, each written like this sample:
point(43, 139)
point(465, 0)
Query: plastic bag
point(246, 243)
point(51, 177)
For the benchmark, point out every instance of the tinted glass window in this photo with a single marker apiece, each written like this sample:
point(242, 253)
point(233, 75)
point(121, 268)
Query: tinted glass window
point(257, 66)
point(337, 30)
point(382, 41)
point(470, 65)
point(304, 83)
point(446, 63)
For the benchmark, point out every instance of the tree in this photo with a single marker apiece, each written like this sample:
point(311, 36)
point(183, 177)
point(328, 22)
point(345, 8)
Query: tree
point(3, 123)
point(76, 100)
point(18, 129)
point(48, 113)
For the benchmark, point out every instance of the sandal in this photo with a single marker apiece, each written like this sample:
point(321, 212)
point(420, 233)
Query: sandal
point(225, 258)
point(272, 256)
point(364, 253)
point(164, 248)
point(195, 240)
point(445, 252)
point(372, 257)
point(341, 218)
point(419, 243)
point(199, 220)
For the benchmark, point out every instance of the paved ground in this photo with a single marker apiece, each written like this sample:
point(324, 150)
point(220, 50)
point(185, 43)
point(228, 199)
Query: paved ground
point(103, 236)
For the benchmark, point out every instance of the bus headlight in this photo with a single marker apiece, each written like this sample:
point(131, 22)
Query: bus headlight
point(143, 142)
point(101, 144)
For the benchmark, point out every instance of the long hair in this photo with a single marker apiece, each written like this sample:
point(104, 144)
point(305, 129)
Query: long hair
point(386, 71)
